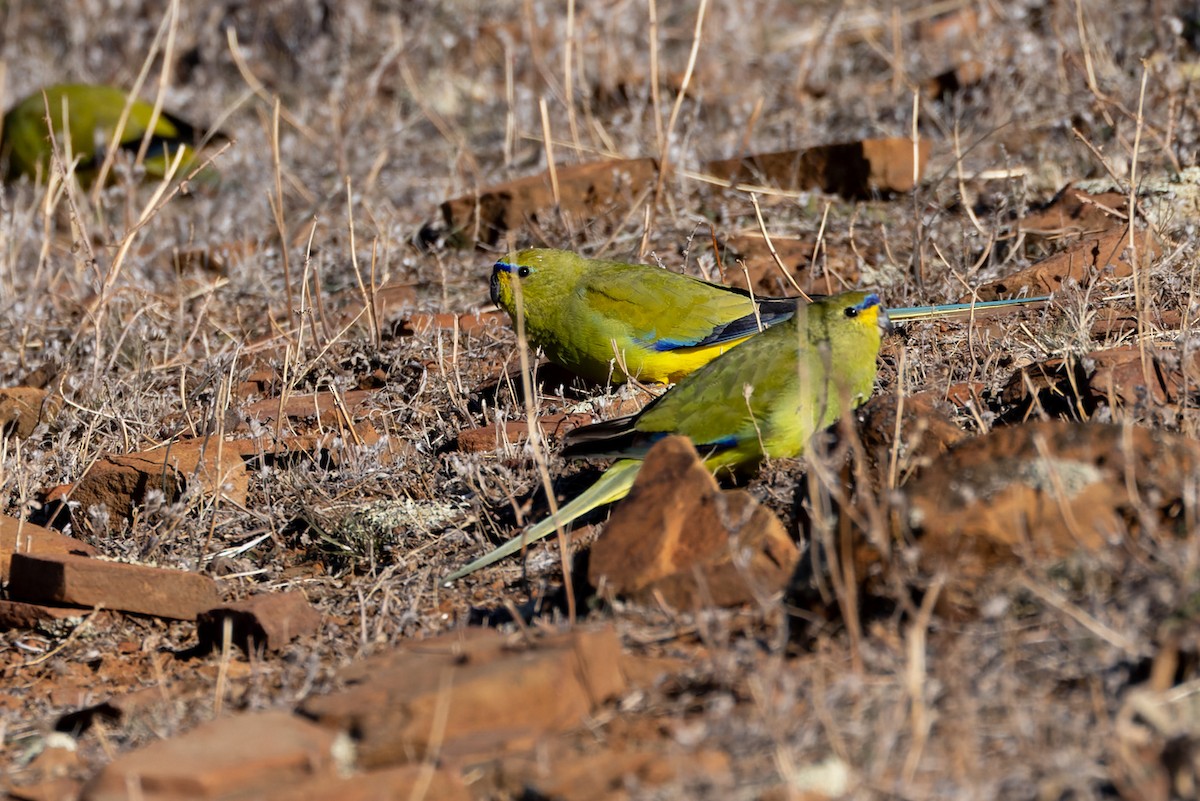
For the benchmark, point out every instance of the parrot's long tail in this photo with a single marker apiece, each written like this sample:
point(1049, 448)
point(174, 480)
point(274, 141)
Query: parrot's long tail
point(961, 310)
point(612, 486)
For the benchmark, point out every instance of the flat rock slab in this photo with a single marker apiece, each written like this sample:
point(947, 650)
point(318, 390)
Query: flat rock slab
point(515, 432)
point(242, 757)
point(81, 581)
point(1042, 490)
point(409, 781)
point(17, 536)
point(591, 190)
point(260, 623)
point(566, 771)
point(678, 537)
point(320, 407)
point(23, 408)
point(849, 169)
point(120, 482)
point(20, 615)
point(476, 693)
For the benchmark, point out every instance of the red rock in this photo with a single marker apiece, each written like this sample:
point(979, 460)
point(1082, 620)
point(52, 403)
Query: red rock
point(121, 482)
point(679, 537)
point(20, 615)
point(215, 258)
point(22, 409)
point(849, 169)
point(409, 781)
point(242, 756)
point(1111, 377)
point(1104, 255)
point(1042, 490)
point(61, 789)
point(264, 622)
point(320, 407)
point(766, 278)
point(569, 773)
point(493, 692)
point(85, 582)
point(470, 323)
point(965, 392)
point(513, 432)
point(118, 709)
point(925, 430)
point(260, 382)
point(327, 445)
point(590, 190)
point(1073, 213)
point(24, 537)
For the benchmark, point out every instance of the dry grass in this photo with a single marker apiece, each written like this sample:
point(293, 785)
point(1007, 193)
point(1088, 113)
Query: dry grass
point(351, 126)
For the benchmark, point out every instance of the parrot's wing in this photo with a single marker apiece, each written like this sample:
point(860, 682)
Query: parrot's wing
point(666, 311)
point(717, 407)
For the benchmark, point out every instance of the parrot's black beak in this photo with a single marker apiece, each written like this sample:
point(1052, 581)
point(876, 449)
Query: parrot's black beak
point(495, 287)
point(884, 322)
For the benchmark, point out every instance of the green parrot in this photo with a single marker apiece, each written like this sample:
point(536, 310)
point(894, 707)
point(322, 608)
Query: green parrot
point(764, 399)
point(607, 320)
point(93, 113)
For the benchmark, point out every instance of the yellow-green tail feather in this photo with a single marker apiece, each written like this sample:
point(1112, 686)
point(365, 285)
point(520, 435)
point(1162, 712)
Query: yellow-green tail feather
point(612, 486)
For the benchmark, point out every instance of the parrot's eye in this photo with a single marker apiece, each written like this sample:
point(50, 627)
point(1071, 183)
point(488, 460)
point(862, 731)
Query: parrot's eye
point(851, 312)
point(523, 272)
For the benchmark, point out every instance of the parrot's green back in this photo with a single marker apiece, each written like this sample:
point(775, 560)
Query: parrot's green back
point(92, 114)
point(608, 319)
point(764, 399)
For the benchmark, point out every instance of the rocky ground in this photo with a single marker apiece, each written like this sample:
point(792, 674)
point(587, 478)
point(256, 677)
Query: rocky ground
point(250, 426)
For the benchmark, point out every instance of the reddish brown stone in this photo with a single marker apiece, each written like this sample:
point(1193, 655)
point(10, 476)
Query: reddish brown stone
point(583, 772)
point(494, 693)
point(264, 622)
point(1114, 377)
point(850, 169)
point(409, 781)
point(766, 277)
point(1074, 212)
point(678, 537)
point(20, 615)
point(1104, 255)
point(965, 392)
point(121, 708)
point(514, 432)
point(86, 582)
point(18, 536)
point(260, 382)
point(120, 482)
point(242, 756)
point(327, 445)
point(470, 323)
point(61, 789)
point(925, 431)
point(1041, 490)
point(214, 258)
point(321, 407)
point(590, 190)
point(22, 409)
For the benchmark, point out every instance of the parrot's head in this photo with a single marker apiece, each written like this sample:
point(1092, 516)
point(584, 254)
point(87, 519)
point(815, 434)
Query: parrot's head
point(855, 321)
point(546, 277)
